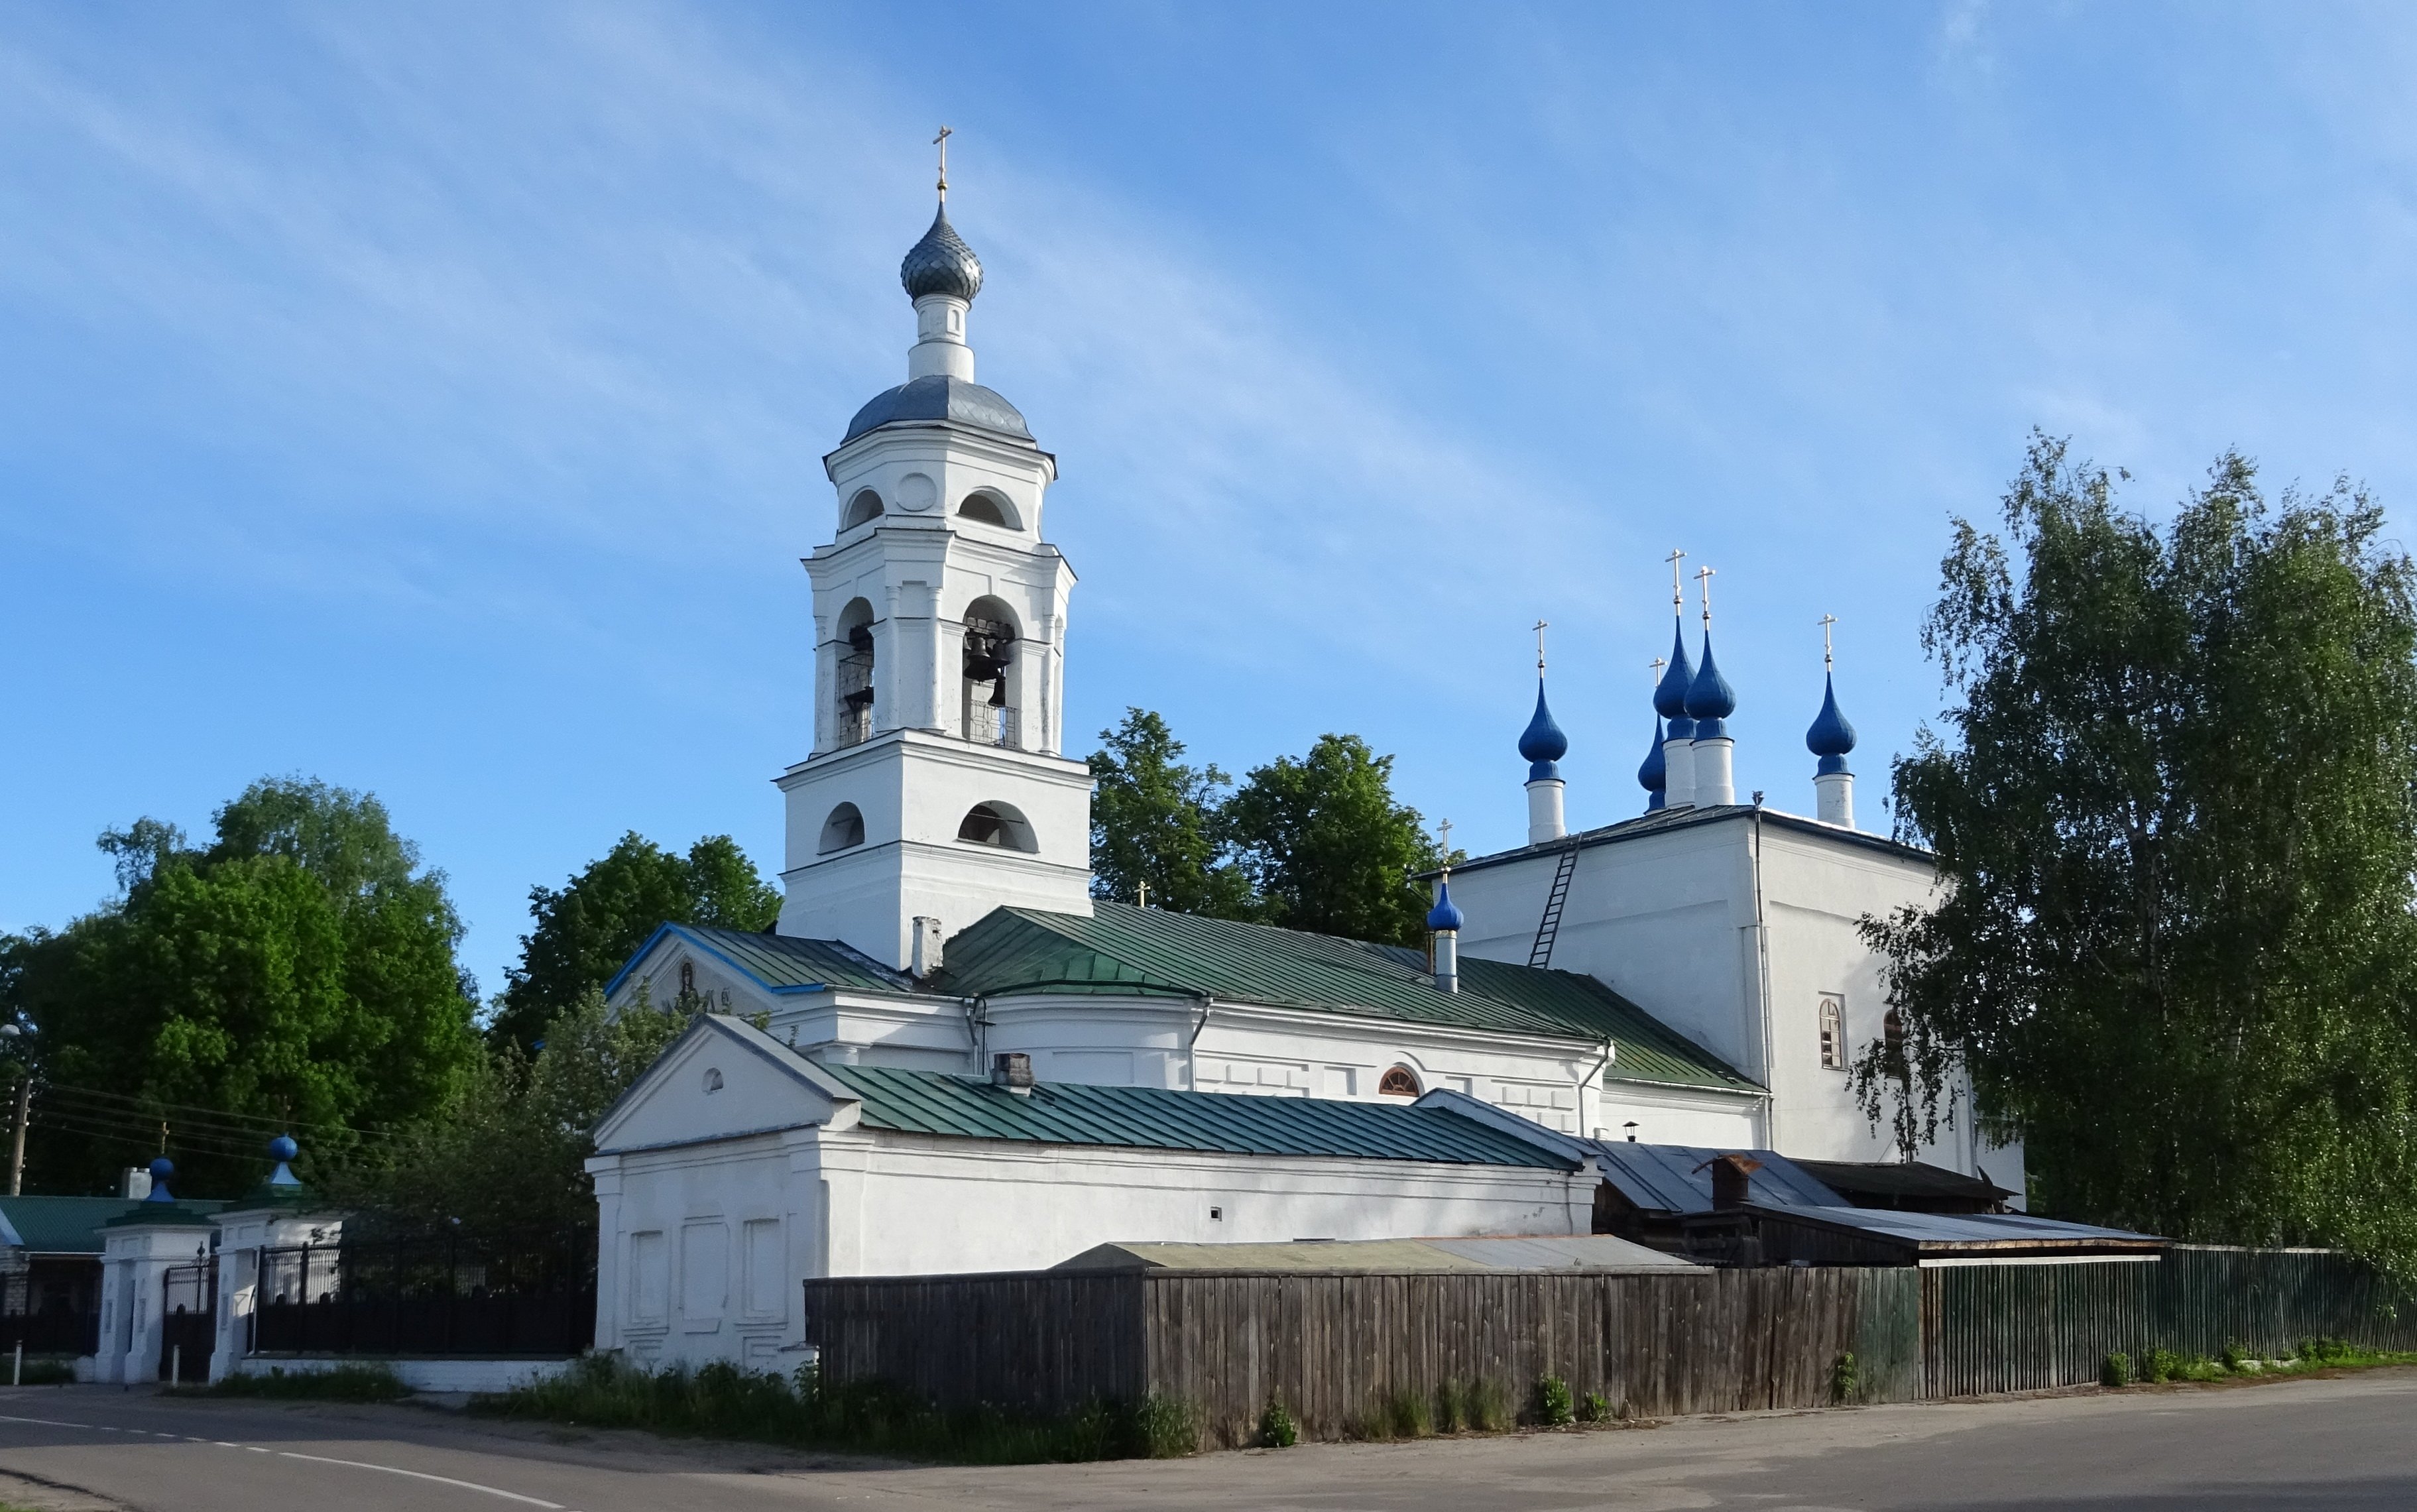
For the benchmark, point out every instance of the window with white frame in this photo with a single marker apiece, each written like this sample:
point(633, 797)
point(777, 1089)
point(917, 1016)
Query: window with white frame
point(1834, 1032)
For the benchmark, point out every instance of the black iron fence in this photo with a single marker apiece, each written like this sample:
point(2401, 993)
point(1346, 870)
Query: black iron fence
point(532, 1294)
point(52, 1331)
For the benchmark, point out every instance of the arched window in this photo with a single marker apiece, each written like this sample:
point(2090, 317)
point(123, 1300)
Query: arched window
point(1401, 1081)
point(997, 825)
point(988, 508)
point(688, 978)
point(1892, 1042)
point(990, 715)
point(853, 691)
point(1834, 1032)
point(866, 505)
point(843, 828)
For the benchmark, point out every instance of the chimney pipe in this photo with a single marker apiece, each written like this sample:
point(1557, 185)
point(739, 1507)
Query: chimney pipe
point(1732, 1181)
point(1012, 1069)
point(925, 957)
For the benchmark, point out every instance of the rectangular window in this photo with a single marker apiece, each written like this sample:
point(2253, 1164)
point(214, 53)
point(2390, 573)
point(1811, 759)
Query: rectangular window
point(1834, 1032)
point(649, 1277)
point(766, 1295)
point(705, 1274)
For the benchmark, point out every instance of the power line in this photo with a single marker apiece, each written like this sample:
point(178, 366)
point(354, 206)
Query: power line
point(247, 1123)
point(145, 1134)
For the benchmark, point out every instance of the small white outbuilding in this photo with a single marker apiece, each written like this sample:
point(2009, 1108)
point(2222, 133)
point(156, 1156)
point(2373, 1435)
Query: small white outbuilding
point(735, 1168)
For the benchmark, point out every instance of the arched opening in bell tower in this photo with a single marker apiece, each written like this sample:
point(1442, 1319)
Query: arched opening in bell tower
point(990, 712)
point(852, 685)
point(864, 508)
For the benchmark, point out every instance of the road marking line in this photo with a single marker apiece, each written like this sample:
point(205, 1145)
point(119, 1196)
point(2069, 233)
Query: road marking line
point(314, 1458)
point(421, 1474)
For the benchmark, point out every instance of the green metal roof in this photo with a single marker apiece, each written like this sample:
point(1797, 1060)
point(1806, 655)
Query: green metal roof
point(1161, 1118)
point(1124, 951)
point(782, 962)
point(71, 1225)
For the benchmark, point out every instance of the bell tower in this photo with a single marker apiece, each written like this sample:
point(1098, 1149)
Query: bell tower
point(936, 789)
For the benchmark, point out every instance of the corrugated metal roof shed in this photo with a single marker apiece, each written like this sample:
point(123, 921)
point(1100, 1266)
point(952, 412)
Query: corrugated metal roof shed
point(69, 1225)
point(1158, 1118)
point(1509, 1252)
point(783, 963)
point(1677, 1178)
point(1124, 951)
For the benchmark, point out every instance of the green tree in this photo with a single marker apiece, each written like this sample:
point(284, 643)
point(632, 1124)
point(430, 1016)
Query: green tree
point(588, 929)
point(2173, 814)
point(298, 972)
point(1328, 848)
point(509, 1152)
point(1155, 822)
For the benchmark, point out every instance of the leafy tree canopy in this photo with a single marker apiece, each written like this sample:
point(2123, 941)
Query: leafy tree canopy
point(298, 973)
point(1155, 825)
point(1328, 848)
point(509, 1154)
point(588, 929)
point(2173, 811)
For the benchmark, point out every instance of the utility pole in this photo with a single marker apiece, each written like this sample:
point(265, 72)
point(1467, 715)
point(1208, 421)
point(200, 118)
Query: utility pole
point(17, 1152)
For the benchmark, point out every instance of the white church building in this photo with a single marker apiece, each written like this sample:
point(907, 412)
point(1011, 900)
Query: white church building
point(949, 1056)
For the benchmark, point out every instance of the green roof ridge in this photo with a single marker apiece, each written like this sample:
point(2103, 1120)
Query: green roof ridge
point(1123, 950)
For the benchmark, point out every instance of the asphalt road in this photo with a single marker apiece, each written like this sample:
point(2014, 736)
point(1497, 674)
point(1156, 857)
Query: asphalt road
point(2344, 1443)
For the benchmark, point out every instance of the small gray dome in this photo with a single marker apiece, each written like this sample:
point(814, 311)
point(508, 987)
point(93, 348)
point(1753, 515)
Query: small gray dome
point(939, 398)
point(941, 263)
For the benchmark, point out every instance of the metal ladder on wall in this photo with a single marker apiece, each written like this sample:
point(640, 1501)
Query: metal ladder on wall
point(1551, 924)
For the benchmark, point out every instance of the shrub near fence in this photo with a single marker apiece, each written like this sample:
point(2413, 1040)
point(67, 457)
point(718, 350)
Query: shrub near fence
point(1341, 1350)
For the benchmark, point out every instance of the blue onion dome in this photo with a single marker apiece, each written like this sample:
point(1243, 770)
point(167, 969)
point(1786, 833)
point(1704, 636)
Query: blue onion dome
point(1831, 736)
point(1709, 698)
point(1542, 743)
point(941, 263)
point(1655, 775)
point(1670, 694)
point(1444, 916)
point(161, 1170)
point(284, 1148)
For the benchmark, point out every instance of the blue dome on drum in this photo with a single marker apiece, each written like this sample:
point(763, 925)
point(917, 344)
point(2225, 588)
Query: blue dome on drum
point(1655, 775)
point(1709, 697)
point(1542, 743)
point(1831, 736)
point(1445, 914)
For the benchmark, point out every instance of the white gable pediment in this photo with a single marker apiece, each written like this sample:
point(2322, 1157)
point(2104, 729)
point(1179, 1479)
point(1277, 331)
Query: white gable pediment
point(724, 1078)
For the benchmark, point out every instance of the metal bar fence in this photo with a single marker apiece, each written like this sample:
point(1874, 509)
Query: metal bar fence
point(445, 1296)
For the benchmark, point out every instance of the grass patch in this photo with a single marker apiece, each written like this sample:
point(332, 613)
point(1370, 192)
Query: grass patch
point(43, 1371)
point(720, 1401)
point(343, 1382)
point(2237, 1361)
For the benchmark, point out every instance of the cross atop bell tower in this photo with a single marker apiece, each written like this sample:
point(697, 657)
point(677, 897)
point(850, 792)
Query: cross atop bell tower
point(936, 789)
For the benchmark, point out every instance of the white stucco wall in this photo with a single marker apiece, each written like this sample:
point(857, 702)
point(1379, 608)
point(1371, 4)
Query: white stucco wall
point(693, 1234)
point(1731, 931)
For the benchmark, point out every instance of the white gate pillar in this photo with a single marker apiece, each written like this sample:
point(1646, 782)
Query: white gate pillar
point(278, 1214)
point(137, 1249)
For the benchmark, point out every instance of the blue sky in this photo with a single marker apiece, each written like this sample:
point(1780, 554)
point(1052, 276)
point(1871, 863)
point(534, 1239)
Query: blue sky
point(431, 399)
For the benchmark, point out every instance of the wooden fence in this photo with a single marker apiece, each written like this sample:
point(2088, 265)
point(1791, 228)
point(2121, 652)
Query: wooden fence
point(1336, 1347)
point(1988, 1328)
